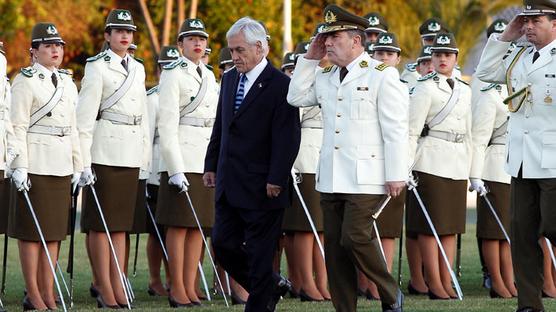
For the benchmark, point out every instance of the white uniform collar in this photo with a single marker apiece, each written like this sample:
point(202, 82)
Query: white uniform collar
point(47, 72)
point(545, 49)
point(356, 61)
point(116, 57)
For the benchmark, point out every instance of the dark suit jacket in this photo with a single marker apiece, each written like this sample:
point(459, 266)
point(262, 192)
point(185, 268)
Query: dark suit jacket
point(256, 145)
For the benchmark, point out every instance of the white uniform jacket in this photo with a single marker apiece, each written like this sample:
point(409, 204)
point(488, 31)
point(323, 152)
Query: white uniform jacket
point(490, 117)
point(365, 124)
point(184, 141)
point(311, 140)
point(6, 129)
point(42, 153)
point(434, 155)
point(531, 141)
point(108, 142)
point(152, 108)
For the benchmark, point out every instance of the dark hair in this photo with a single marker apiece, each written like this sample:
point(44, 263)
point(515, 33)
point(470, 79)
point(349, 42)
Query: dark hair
point(551, 16)
point(35, 45)
point(356, 32)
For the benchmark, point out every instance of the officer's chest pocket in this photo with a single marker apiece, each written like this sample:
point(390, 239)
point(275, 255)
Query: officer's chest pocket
point(548, 156)
point(362, 105)
point(370, 164)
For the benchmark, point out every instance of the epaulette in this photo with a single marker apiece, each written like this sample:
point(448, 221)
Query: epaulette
point(152, 90)
point(462, 81)
point(490, 86)
point(327, 69)
point(523, 44)
point(411, 90)
point(175, 64)
point(363, 64)
point(427, 77)
point(381, 67)
point(411, 67)
point(140, 60)
point(28, 71)
point(65, 72)
point(404, 81)
point(210, 67)
point(97, 57)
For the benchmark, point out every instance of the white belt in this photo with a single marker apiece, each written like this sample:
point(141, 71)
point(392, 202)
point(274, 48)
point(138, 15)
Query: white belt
point(314, 124)
point(197, 122)
point(121, 118)
point(447, 136)
point(50, 130)
point(499, 140)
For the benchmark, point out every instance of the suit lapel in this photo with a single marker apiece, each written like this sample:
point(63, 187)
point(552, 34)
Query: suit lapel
point(353, 74)
point(117, 66)
point(231, 89)
point(258, 86)
point(192, 70)
point(334, 77)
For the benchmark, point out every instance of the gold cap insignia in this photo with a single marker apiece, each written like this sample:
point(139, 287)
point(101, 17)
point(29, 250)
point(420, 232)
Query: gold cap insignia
point(330, 17)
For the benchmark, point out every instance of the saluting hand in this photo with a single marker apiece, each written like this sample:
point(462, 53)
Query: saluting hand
point(317, 49)
point(272, 190)
point(209, 179)
point(394, 188)
point(514, 30)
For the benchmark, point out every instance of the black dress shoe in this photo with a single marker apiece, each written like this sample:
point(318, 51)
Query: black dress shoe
point(413, 291)
point(102, 305)
point(237, 300)
point(395, 307)
point(153, 293)
point(27, 305)
point(93, 291)
point(293, 294)
point(196, 303)
point(433, 296)
point(306, 298)
point(125, 306)
point(545, 295)
point(281, 288)
point(527, 309)
point(174, 304)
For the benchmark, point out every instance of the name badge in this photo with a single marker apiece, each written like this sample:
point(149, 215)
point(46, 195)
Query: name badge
point(362, 89)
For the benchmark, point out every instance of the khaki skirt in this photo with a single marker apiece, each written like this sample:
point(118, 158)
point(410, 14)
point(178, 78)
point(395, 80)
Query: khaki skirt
point(445, 201)
point(116, 188)
point(295, 219)
point(4, 202)
point(140, 218)
point(173, 208)
point(51, 200)
point(390, 221)
point(499, 197)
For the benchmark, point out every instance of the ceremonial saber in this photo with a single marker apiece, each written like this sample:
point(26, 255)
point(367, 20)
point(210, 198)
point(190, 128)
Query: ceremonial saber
point(206, 245)
point(204, 280)
point(297, 180)
point(4, 264)
point(228, 283)
point(375, 227)
point(412, 187)
point(551, 251)
point(73, 216)
point(112, 249)
point(458, 255)
point(130, 289)
point(400, 254)
point(2, 306)
point(39, 230)
point(63, 278)
point(495, 215)
point(151, 216)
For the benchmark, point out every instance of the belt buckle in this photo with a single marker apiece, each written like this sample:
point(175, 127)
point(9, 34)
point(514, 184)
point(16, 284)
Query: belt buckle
point(137, 119)
point(459, 138)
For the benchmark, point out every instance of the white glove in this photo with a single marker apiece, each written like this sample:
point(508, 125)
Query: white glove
point(144, 174)
point(180, 181)
point(21, 179)
point(411, 183)
point(75, 181)
point(478, 185)
point(10, 156)
point(87, 177)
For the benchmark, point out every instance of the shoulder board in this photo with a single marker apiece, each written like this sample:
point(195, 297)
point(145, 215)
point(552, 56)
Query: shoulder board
point(381, 67)
point(152, 90)
point(210, 67)
point(490, 86)
point(427, 77)
point(98, 57)
point(175, 64)
point(327, 69)
point(28, 71)
point(411, 90)
point(411, 67)
point(404, 81)
point(462, 81)
point(65, 72)
point(525, 44)
point(140, 60)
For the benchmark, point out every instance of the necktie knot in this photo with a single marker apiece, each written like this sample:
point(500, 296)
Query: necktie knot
point(343, 73)
point(54, 80)
point(536, 56)
point(450, 82)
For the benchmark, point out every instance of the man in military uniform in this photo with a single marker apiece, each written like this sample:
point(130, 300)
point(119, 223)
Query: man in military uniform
point(530, 157)
point(354, 171)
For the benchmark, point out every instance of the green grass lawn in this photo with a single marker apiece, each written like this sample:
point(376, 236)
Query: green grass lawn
point(475, 297)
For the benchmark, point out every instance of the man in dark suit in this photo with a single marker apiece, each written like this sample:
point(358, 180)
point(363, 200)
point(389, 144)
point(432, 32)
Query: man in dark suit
point(254, 143)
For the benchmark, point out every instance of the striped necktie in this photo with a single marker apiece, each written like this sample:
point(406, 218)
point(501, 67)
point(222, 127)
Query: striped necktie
point(240, 94)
